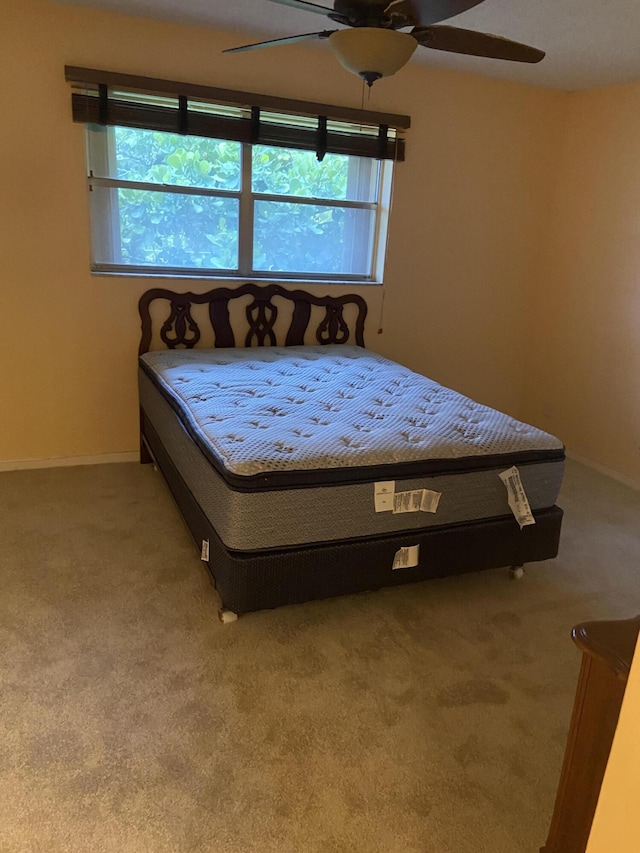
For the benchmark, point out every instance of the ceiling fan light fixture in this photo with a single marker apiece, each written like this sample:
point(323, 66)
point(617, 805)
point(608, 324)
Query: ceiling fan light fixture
point(372, 52)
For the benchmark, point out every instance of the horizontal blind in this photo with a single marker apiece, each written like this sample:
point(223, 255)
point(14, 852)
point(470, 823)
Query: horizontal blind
point(106, 98)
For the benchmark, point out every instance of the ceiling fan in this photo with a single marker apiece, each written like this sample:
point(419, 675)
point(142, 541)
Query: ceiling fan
point(373, 46)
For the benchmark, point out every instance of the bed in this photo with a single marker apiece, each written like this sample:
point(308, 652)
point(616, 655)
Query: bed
point(317, 468)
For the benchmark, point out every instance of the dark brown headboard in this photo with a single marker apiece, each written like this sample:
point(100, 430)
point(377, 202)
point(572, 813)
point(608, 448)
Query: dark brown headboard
point(181, 330)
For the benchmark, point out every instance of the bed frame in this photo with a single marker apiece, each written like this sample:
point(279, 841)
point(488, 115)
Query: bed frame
point(248, 581)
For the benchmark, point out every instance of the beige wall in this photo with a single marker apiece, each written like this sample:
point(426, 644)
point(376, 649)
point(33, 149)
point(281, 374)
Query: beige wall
point(616, 825)
point(465, 234)
point(584, 311)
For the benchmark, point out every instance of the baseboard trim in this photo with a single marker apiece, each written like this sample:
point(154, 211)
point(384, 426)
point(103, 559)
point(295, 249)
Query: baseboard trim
point(68, 461)
point(602, 469)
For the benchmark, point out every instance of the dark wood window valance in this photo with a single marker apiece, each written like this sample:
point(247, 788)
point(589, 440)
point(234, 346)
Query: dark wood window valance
point(111, 98)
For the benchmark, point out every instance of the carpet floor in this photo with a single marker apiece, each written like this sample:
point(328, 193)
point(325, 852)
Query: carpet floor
point(429, 718)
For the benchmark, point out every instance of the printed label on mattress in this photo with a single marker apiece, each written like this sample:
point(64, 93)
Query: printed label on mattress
point(416, 500)
point(204, 551)
point(517, 497)
point(383, 495)
point(407, 501)
point(430, 501)
point(407, 557)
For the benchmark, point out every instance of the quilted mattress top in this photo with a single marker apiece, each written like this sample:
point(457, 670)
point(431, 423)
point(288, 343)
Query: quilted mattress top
point(264, 414)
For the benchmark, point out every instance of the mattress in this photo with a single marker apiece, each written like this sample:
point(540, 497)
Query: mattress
point(289, 446)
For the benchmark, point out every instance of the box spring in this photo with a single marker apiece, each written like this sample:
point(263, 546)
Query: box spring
point(248, 581)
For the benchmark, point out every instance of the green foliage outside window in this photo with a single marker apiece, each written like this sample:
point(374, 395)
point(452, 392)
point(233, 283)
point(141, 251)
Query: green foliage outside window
point(183, 230)
point(298, 173)
point(169, 229)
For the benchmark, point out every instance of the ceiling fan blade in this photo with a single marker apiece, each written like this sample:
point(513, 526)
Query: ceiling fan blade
point(305, 6)
point(472, 43)
point(286, 40)
point(423, 13)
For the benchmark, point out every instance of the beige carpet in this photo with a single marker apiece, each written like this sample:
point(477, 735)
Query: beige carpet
point(429, 718)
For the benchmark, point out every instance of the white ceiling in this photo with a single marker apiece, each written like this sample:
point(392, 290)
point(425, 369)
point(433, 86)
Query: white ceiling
point(588, 42)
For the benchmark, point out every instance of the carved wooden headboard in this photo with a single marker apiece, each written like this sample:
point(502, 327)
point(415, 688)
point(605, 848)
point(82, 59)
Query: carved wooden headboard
point(180, 329)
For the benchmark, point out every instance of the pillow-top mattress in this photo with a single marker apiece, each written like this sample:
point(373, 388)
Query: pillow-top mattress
point(286, 446)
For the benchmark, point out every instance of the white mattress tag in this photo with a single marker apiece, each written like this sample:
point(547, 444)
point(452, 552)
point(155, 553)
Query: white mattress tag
point(517, 497)
point(406, 558)
point(204, 551)
point(407, 501)
point(416, 500)
point(383, 495)
point(430, 501)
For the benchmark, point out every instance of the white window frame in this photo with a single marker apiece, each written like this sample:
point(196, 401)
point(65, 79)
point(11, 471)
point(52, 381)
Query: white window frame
point(106, 234)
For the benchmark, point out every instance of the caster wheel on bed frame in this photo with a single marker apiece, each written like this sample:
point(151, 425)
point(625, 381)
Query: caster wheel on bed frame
point(227, 616)
point(516, 572)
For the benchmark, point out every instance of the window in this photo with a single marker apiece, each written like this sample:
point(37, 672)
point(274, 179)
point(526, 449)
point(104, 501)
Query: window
point(187, 180)
point(165, 203)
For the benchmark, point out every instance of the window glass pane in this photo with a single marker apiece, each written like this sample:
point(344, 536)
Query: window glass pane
point(160, 229)
point(286, 171)
point(145, 228)
point(168, 158)
point(310, 238)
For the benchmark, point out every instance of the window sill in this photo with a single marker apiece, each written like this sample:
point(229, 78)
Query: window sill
point(236, 279)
